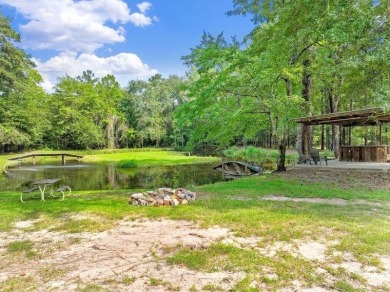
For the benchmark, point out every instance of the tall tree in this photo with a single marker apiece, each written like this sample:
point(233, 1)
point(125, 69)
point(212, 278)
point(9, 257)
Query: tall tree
point(23, 118)
point(242, 89)
point(330, 42)
point(15, 65)
point(110, 95)
point(150, 106)
point(283, 71)
point(84, 111)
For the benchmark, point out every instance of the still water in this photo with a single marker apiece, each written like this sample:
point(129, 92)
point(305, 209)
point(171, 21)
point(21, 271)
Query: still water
point(108, 177)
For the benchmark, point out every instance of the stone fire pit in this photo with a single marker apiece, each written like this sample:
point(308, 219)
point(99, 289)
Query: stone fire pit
point(162, 197)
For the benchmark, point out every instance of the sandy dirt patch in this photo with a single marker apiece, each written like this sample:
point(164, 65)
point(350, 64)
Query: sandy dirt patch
point(342, 178)
point(337, 202)
point(134, 250)
point(132, 256)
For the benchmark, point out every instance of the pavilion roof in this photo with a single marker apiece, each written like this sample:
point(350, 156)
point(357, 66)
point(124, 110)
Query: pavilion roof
point(363, 117)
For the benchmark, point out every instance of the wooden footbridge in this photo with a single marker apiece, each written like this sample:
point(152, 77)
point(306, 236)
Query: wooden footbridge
point(34, 155)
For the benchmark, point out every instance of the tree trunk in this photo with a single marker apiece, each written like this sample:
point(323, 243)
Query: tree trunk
point(306, 139)
point(327, 138)
point(282, 144)
point(334, 105)
point(306, 93)
point(304, 135)
point(335, 141)
point(282, 156)
point(299, 140)
point(323, 126)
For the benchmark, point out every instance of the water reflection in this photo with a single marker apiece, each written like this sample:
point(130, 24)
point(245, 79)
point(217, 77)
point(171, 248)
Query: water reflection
point(108, 177)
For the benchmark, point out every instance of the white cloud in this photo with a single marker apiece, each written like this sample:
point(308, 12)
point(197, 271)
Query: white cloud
point(76, 29)
point(79, 26)
point(124, 66)
point(140, 20)
point(144, 6)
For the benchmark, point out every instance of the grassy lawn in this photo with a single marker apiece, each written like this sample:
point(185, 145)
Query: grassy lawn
point(361, 231)
point(143, 157)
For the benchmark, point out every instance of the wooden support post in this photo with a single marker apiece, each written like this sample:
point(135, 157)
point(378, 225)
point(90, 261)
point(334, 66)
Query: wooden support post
point(63, 159)
point(33, 160)
point(349, 136)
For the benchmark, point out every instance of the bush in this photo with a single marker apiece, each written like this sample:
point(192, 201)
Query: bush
point(328, 153)
point(250, 153)
point(204, 149)
point(127, 164)
point(231, 152)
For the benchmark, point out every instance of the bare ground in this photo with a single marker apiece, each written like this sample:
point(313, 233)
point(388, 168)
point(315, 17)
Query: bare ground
point(343, 178)
point(132, 256)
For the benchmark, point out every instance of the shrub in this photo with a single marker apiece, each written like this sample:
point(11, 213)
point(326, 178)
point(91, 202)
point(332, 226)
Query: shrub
point(250, 153)
point(127, 164)
point(231, 152)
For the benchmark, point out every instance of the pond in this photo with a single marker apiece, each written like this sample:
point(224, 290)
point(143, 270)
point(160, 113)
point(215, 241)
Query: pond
point(109, 177)
point(81, 176)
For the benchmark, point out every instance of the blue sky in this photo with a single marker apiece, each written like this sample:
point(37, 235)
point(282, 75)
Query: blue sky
point(129, 39)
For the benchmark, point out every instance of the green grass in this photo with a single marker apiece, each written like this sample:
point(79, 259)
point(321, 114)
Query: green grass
point(127, 164)
point(223, 257)
point(256, 154)
point(235, 205)
point(141, 157)
point(22, 247)
point(129, 280)
point(147, 158)
point(19, 284)
point(83, 225)
point(92, 288)
point(346, 287)
point(264, 185)
point(51, 272)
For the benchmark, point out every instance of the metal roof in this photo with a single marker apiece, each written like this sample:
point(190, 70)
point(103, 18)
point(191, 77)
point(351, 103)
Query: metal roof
point(364, 117)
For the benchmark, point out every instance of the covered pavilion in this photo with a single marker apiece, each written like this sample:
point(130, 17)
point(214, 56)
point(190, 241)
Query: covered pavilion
point(364, 117)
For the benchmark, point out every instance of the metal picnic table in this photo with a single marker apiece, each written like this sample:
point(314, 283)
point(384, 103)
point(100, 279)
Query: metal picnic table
point(42, 184)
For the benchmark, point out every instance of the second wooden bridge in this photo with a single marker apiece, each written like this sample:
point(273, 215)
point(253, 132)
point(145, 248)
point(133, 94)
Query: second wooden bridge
point(34, 155)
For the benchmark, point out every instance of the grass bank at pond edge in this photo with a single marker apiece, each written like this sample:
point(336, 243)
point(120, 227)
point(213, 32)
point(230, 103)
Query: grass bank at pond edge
point(143, 157)
point(149, 157)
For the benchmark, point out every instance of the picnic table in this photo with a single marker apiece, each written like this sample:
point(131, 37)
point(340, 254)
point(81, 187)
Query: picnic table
point(42, 184)
point(30, 187)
